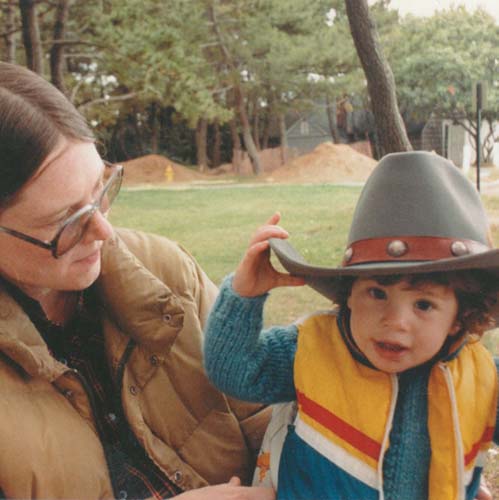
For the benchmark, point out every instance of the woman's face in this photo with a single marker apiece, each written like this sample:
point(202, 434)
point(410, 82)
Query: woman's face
point(68, 179)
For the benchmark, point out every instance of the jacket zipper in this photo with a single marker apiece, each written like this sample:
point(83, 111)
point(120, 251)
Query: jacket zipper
point(91, 400)
point(386, 437)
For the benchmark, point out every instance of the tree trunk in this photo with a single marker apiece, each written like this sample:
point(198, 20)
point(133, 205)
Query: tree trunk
point(201, 144)
point(284, 138)
point(137, 133)
point(488, 143)
point(216, 156)
point(256, 124)
point(380, 81)
point(31, 35)
point(331, 118)
point(122, 141)
point(237, 152)
point(154, 125)
point(247, 137)
point(57, 51)
point(10, 28)
point(238, 93)
point(266, 130)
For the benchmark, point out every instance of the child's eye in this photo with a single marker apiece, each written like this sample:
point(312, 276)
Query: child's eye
point(424, 305)
point(377, 293)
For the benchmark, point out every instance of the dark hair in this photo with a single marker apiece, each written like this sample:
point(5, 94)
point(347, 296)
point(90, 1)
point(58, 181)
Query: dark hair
point(34, 116)
point(476, 292)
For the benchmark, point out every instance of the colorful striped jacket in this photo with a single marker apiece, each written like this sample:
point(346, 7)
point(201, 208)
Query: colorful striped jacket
point(345, 410)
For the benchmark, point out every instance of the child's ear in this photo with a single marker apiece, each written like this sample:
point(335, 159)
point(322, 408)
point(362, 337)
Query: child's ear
point(455, 328)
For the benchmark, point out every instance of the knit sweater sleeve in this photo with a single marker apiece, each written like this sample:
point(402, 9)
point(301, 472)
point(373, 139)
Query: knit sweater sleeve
point(243, 360)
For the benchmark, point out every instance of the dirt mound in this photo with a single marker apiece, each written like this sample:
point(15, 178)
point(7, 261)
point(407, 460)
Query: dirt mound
point(157, 169)
point(328, 162)
point(270, 159)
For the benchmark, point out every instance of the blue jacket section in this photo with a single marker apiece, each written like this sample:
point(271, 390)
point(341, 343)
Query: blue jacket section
point(314, 474)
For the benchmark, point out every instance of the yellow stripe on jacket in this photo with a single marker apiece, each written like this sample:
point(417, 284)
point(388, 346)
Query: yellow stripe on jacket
point(345, 408)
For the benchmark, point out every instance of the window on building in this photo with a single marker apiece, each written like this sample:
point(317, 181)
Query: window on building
point(304, 127)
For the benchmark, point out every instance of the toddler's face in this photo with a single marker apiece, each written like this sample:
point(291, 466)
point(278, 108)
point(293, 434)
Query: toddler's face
point(401, 326)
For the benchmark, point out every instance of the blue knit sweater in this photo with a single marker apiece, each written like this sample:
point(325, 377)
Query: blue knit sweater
point(255, 365)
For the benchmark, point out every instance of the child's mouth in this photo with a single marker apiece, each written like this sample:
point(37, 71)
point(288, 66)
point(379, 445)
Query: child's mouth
point(387, 346)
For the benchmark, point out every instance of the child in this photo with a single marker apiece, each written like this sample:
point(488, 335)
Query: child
point(395, 397)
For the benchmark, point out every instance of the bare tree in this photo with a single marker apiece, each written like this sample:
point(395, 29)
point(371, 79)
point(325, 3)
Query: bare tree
point(57, 50)
point(237, 152)
point(331, 118)
point(154, 125)
point(284, 138)
point(9, 10)
point(201, 138)
point(391, 131)
point(239, 97)
point(31, 35)
point(216, 157)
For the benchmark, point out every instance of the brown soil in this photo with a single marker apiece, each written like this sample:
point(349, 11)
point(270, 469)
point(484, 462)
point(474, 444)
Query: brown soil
point(270, 159)
point(328, 162)
point(156, 169)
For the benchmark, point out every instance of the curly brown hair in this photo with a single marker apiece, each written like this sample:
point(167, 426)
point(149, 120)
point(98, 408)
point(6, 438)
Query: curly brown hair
point(476, 292)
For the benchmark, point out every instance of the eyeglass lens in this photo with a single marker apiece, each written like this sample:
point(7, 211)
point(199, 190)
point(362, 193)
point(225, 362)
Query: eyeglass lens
point(74, 231)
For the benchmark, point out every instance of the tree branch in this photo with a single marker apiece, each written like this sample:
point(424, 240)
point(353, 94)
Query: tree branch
point(73, 42)
point(107, 99)
point(10, 32)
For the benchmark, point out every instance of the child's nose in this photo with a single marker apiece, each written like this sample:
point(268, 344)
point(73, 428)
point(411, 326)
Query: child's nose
point(395, 316)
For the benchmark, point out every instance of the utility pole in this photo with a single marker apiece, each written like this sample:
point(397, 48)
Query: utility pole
point(478, 127)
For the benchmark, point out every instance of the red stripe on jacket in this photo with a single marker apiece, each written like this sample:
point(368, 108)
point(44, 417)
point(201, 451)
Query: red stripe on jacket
point(487, 437)
point(338, 426)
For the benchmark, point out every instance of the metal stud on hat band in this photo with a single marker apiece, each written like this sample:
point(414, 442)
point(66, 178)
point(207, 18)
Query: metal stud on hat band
point(397, 248)
point(459, 248)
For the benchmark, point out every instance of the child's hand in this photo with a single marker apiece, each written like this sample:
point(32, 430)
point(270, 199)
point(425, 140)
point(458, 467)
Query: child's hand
point(483, 492)
point(255, 274)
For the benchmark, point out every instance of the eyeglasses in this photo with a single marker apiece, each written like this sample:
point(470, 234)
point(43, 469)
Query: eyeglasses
point(74, 227)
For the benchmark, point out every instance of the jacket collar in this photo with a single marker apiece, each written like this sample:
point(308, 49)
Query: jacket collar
point(137, 301)
point(131, 297)
point(21, 341)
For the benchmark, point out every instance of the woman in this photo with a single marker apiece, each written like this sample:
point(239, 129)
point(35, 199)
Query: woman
point(102, 389)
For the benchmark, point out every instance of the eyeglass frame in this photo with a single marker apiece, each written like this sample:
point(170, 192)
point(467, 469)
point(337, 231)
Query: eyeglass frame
point(88, 208)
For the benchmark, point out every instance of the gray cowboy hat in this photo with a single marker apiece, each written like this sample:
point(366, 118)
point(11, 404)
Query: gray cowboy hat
point(417, 213)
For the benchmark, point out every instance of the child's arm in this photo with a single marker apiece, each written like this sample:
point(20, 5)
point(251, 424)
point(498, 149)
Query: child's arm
point(240, 359)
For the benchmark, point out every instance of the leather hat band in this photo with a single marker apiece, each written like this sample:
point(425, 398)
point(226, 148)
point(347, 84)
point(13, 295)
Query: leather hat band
point(409, 248)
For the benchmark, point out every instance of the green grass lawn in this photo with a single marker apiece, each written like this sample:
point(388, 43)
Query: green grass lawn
point(215, 224)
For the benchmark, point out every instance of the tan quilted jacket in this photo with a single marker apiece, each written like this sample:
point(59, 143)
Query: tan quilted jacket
point(154, 301)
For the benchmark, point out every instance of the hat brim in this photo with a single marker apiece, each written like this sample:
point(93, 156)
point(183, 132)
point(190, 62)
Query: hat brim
point(324, 279)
